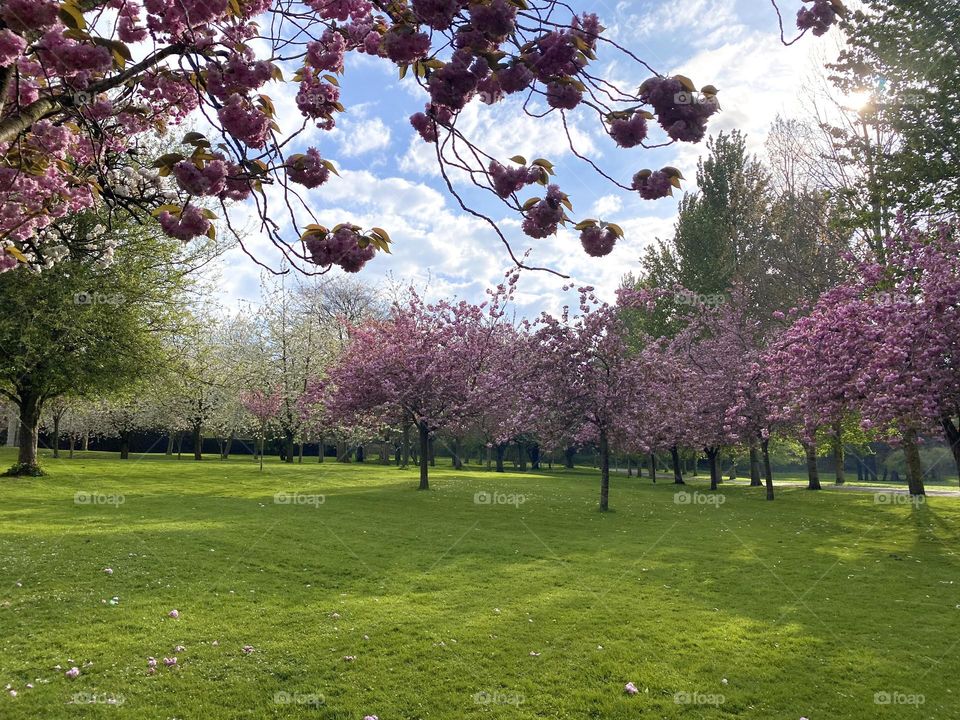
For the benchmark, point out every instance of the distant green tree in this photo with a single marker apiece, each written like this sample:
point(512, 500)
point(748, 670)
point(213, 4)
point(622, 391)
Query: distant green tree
point(91, 324)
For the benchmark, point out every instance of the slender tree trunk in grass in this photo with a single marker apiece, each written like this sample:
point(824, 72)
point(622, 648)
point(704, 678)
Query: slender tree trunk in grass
point(489, 457)
point(230, 439)
point(838, 457)
point(569, 457)
point(406, 446)
point(179, 444)
point(457, 460)
point(522, 456)
point(169, 450)
point(300, 453)
point(288, 447)
point(952, 434)
point(124, 445)
point(433, 456)
point(755, 480)
point(424, 455)
point(197, 442)
point(321, 449)
point(86, 441)
point(29, 407)
point(56, 436)
point(604, 472)
point(73, 442)
point(675, 460)
point(629, 467)
point(262, 439)
point(653, 467)
point(501, 452)
point(713, 455)
point(767, 467)
point(813, 472)
point(914, 464)
point(695, 467)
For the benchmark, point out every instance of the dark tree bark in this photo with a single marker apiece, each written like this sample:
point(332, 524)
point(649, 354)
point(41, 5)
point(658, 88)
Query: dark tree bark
point(838, 455)
point(424, 455)
point(755, 480)
point(629, 467)
point(675, 460)
point(534, 452)
point(125, 445)
point(914, 464)
point(952, 433)
point(568, 457)
point(406, 445)
point(455, 460)
point(169, 450)
point(653, 467)
point(501, 452)
point(489, 450)
point(29, 406)
point(362, 454)
point(433, 456)
point(604, 472)
point(813, 473)
point(713, 456)
point(321, 450)
point(197, 442)
point(522, 456)
point(767, 467)
point(229, 445)
point(73, 442)
point(288, 447)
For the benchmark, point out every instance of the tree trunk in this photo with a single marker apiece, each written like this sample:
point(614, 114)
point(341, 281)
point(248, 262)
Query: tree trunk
point(424, 455)
point(501, 452)
point(86, 441)
point(29, 407)
point(229, 446)
point(838, 458)
point(125, 445)
point(56, 435)
point(755, 480)
point(914, 464)
point(713, 455)
point(179, 444)
point(813, 472)
point(288, 447)
point(604, 472)
point(321, 449)
point(457, 460)
point(653, 467)
point(534, 452)
point(675, 459)
point(569, 456)
point(73, 442)
point(767, 468)
point(522, 456)
point(952, 433)
point(489, 457)
point(169, 451)
point(432, 450)
point(197, 441)
point(300, 453)
point(406, 445)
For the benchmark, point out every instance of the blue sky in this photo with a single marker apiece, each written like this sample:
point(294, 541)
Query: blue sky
point(389, 177)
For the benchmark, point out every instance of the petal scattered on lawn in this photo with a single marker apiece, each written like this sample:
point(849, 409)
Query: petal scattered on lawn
point(247, 649)
point(630, 689)
point(174, 613)
point(108, 571)
point(72, 672)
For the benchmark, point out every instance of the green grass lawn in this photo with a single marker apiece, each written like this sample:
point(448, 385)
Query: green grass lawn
point(804, 607)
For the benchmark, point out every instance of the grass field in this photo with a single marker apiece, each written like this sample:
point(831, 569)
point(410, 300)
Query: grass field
point(530, 606)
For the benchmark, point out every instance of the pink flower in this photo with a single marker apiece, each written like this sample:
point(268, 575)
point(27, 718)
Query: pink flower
point(630, 689)
point(349, 658)
point(248, 649)
point(370, 717)
point(174, 613)
point(72, 672)
point(151, 662)
point(179, 648)
point(169, 661)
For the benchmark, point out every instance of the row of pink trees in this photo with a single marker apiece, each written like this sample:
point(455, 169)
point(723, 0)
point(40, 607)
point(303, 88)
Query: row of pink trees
point(879, 350)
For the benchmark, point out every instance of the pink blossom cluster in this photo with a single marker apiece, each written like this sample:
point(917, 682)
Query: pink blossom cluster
point(244, 121)
point(506, 181)
point(652, 185)
point(326, 54)
point(187, 225)
point(598, 241)
point(630, 131)
point(819, 18)
point(681, 112)
point(423, 122)
point(543, 218)
point(308, 169)
point(344, 247)
point(318, 100)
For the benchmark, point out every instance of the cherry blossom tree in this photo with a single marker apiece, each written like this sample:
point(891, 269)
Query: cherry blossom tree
point(85, 81)
point(263, 405)
point(411, 367)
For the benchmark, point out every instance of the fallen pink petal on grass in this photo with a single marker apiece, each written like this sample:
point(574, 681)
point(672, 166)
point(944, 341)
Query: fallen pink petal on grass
point(630, 689)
